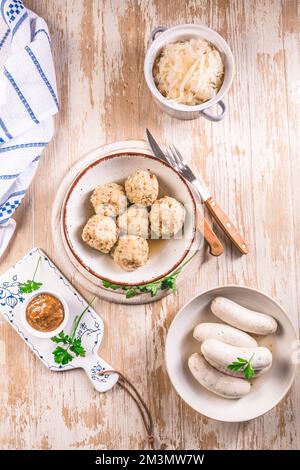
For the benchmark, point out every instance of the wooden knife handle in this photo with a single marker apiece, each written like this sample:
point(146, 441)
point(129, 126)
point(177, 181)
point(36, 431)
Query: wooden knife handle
point(227, 226)
point(215, 246)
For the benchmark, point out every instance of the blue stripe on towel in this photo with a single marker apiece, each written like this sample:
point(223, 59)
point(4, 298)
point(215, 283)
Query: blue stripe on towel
point(5, 130)
point(9, 177)
point(4, 37)
point(41, 30)
point(17, 26)
point(16, 193)
point(36, 159)
point(2, 10)
point(21, 96)
point(23, 146)
point(8, 207)
point(40, 70)
point(4, 220)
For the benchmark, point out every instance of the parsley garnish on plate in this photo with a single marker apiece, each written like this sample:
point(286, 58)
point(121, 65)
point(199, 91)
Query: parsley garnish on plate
point(74, 348)
point(31, 285)
point(168, 282)
point(243, 365)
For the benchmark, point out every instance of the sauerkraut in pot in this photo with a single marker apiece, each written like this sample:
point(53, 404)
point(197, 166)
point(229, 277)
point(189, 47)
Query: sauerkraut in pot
point(189, 72)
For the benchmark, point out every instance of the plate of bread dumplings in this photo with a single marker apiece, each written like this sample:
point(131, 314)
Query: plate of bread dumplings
point(229, 353)
point(129, 219)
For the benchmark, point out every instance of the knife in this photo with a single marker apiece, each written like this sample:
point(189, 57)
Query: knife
point(215, 246)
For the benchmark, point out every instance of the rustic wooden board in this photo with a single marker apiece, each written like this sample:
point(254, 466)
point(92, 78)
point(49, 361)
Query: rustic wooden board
point(251, 162)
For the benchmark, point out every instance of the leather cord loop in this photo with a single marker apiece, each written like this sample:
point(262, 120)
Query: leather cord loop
point(126, 385)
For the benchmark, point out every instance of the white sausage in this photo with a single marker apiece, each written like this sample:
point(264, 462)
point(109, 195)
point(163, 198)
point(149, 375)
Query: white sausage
point(241, 375)
point(220, 355)
point(243, 318)
point(224, 333)
point(216, 382)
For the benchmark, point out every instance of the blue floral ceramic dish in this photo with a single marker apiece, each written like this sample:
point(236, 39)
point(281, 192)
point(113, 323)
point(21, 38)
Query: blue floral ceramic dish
point(90, 329)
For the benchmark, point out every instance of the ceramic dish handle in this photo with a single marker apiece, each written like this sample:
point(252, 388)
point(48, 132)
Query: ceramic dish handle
point(215, 117)
point(159, 29)
point(94, 364)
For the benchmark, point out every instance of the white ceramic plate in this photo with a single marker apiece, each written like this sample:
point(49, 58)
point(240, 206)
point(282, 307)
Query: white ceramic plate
point(165, 255)
point(266, 391)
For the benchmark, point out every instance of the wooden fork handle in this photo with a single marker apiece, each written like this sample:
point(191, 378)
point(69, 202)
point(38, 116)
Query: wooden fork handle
point(227, 226)
point(215, 246)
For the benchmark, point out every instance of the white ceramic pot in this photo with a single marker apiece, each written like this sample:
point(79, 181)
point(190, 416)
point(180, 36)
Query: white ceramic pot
point(159, 38)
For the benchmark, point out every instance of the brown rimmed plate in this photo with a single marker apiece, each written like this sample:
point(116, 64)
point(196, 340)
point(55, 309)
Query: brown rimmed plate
point(165, 255)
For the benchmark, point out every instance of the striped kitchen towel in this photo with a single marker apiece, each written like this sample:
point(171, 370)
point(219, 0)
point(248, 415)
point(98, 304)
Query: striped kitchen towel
point(28, 101)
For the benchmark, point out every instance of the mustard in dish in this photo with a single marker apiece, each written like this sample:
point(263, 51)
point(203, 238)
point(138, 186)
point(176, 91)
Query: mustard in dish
point(45, 312)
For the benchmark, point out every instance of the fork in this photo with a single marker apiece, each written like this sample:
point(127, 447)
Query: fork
point(176, 160)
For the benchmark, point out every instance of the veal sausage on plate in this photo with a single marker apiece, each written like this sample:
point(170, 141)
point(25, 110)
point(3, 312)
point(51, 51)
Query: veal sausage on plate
point(216, 382)
point(220, 355)
point(243, 318)
point(224, 333)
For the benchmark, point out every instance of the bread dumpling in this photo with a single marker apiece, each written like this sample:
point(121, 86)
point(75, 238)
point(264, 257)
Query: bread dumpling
point(100, 232)
point(109, 199)
point(142, 188)
point(135, 221)
point(167, 217)
point(131, 252)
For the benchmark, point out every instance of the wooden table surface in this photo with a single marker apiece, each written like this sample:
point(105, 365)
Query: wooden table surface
point(251, 162)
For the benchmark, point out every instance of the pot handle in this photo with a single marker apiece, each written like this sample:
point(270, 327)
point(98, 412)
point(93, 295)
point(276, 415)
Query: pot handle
point(159, 29)
point(216, 117)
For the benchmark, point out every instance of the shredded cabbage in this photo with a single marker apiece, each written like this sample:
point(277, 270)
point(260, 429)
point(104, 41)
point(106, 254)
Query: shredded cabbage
point(189, 72)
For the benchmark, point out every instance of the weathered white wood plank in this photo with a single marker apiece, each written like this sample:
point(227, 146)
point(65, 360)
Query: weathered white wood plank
point(251, 162)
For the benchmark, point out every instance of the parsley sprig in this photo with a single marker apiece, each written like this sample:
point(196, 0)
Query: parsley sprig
point(243, 365)
point(74, 347)
point(168, 282)
point(31, 285)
